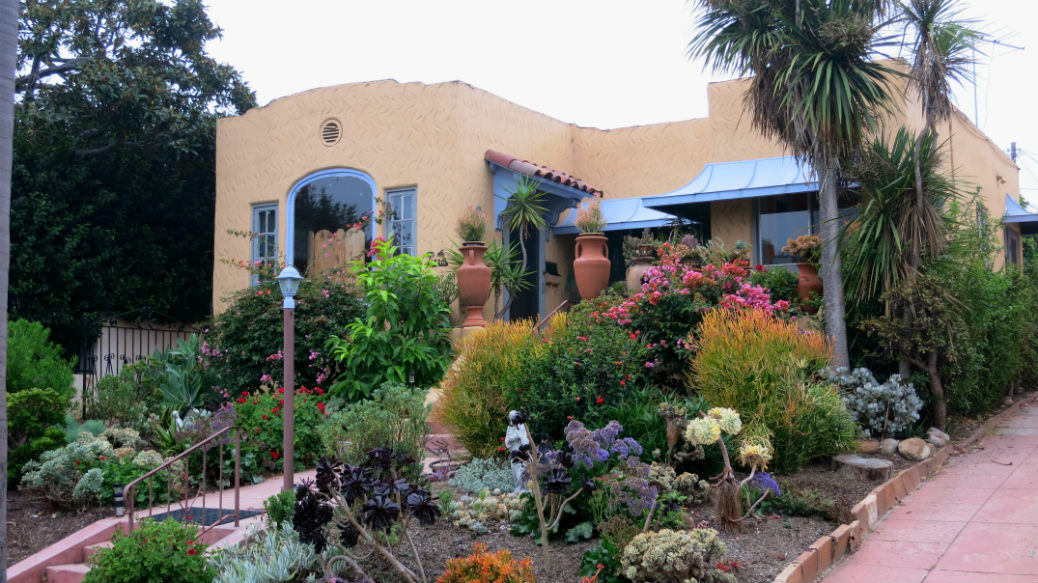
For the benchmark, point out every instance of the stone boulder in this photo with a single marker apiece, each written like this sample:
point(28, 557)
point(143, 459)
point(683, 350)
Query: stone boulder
point(888, 446)
point(937, 437)
point(914, 449)
point(868, 446)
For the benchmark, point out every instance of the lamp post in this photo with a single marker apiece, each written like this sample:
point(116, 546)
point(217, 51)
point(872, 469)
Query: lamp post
point(289, 279)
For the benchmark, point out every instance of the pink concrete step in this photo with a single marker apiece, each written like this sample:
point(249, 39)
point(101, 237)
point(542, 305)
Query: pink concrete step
point(68, 573)
point(91, 550)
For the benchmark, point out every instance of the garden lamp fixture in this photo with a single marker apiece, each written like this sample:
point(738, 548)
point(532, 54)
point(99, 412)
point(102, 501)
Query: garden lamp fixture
point(289, 281)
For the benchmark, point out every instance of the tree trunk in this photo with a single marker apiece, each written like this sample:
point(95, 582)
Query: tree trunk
point(828, 171)
point(940, 407)
point(8, 50)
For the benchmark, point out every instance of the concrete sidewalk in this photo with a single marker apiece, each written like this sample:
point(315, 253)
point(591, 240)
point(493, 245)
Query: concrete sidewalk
point(975, 521)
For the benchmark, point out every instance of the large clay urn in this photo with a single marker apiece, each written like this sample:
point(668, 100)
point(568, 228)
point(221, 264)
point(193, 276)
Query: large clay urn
point(473, 283)
point(808, 283)
point(591, 266)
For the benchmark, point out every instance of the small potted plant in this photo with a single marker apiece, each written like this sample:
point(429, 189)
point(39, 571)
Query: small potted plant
point(591, 265)
point(473, 276)
point(808, 250)
point(639, 252)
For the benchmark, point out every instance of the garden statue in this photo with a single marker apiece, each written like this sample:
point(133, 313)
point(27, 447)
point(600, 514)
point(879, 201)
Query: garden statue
point(518, 444)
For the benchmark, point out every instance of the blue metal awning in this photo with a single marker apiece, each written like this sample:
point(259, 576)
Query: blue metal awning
point(620, 214)
point(1018, 214)
point(738, 180)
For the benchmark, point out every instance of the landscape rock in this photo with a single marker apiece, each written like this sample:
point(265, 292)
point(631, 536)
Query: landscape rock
point(937, 437)
point(888, 446)
point(914, 449)
point(860, 467)
point(868, 446)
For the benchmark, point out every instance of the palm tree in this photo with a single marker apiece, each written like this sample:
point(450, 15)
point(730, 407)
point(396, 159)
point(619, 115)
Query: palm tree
point(8, 54)
point(525, 211)
point(815, 87)
point(942, 54)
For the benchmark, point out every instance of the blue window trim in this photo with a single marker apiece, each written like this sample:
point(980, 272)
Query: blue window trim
point(256, 209)
point(290, 212)
point(413, 191)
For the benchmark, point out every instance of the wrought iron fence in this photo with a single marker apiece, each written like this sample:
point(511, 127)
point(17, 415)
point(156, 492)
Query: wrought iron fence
point(124, 339)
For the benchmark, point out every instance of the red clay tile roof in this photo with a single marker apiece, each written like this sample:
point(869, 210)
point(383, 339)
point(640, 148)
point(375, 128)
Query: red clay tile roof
point(527, 168)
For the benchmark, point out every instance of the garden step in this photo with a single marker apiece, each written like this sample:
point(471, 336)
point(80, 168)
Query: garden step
point(69, 573)
point(91, 550)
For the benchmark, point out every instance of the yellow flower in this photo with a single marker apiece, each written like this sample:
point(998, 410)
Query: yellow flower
point(728, 418)
point(755, 453)
point(702, 431)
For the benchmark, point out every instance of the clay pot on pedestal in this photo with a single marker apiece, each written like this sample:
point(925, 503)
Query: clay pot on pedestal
point(591, 266)
point(808, 283)
point(473, 283)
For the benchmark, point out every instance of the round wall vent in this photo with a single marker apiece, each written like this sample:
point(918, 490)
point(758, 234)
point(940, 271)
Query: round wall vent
point(331, 132)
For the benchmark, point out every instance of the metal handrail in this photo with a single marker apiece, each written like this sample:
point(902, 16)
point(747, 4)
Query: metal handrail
point(128, 490)
point(541, 324)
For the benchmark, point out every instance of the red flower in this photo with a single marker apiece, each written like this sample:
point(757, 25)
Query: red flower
point(265, 417)
point(570, 417)
point(319, 390)
point(500, 449)
point(192, 552)
point(320, 407)
point(601, 400)
point(190, 542)
point(273, 454)
point(245, 393)
point(241, 400)
point(578, 399)
point(102, 457)
point(281, 390)
point(622, 383)
point(77, 462)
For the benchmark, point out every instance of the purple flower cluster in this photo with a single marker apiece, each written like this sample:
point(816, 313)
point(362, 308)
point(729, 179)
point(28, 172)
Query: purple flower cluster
point(590, 447)
point(764, 482)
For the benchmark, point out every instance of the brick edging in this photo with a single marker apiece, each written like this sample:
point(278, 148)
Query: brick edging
point(829, 549)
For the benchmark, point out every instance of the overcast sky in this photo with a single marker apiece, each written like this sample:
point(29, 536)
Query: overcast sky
point(600, 63)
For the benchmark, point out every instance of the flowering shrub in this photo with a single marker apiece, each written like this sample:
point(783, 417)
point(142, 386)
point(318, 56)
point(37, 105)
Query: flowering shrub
point(673, 299)
point(883, 409)
point(485, 567)
point(259, 416)
point(806, 247)
point(577, 371)
point(668, 556)
point(764, 368)
point(154, 551)
point(245, 342)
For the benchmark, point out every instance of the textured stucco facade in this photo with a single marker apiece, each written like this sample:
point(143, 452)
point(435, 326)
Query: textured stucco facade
point(433, 138)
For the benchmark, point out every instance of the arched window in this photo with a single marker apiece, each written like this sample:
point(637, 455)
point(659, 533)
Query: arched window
point(330, 219)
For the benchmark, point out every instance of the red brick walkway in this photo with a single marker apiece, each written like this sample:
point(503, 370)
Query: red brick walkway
point(975, 521)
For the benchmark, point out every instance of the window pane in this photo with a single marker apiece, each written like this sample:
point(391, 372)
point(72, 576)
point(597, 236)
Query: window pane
point(402, 222)
point(329, 204)
point(781, 218)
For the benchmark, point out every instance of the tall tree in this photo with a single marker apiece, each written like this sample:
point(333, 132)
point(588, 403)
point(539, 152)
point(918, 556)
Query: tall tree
point(114, 184)
point(816, 87)
point(8, 50)
point(942, 54)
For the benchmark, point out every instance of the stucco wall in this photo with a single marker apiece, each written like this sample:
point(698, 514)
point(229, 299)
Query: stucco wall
point(434, 137)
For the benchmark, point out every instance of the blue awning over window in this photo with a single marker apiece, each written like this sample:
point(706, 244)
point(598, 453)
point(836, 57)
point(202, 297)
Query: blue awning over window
point(621, 214)
point(738, 180)
point(1018, 214)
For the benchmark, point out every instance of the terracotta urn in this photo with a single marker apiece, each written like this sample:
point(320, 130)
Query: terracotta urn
point(591, 266)
point(473, 283)
point(808, 283)
point(636, 268)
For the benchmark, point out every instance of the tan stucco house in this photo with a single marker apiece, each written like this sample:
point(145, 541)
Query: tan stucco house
point(332, 156)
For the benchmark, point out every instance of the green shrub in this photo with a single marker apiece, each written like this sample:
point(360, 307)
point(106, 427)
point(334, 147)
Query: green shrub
point(31, 413)
point(405, 335)
point(764, 368)
point(273, 556)
point(154, 551)
point(258, 415)
point(472, 403)
point(245, 342)
point(780, 282)
point(582, 367)
point(128, 397)
point(189, 381)
point(668, 556)
point(882, 409)
point(484, 474)
point(279, 508)
point(34, 361)
point(73, 428)
point(394, 416)
point(806, 502)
